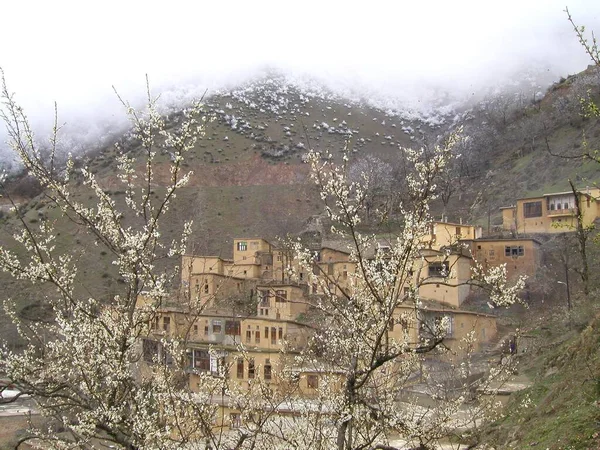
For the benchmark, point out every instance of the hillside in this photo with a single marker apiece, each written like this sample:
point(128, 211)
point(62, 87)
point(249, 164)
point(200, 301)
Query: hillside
point(249, 179)
point(561, 409)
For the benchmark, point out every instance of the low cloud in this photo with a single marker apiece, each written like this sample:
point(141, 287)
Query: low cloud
point(74, 52)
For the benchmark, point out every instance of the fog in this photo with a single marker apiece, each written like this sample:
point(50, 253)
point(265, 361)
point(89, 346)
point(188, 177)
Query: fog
point(73, 52)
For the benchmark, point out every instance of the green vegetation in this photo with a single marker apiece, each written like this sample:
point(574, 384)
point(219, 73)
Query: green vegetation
point(562, 409)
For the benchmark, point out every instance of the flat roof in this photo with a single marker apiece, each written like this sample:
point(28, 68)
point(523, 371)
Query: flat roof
point(454, 223)
point(558, 193)
point(501, 240)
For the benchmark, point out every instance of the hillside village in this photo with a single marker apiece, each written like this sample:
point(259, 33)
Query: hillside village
point(259, 307)
point(248, 312)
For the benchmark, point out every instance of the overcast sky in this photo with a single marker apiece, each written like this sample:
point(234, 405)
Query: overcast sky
point(75, 51)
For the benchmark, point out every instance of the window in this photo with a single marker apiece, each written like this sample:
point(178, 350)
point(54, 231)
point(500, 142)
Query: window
point(280, 296)
point(217, 363)
point(251, 368)
point(195, 329)
point(206, 288)
point(206, 331)
point(240, 367)
point(514, 250)
point(266, 332)
point(232, 327)
point(384, 250)
point(150, 350)
point(312, 381)
point(264, 297)
point(235, 419)
point(450, 328)
point(330, 269)
point(438, 326)
point(166, 324)
point(257, 337)
point(267, 369)
point(202, 360)
point(273, 335)
point(248, 336)
point(216, 326)
point(167, 358)
point(458, 231)
point(439, 269)
point(242, 246)
point(280, 333)
point(532, 209)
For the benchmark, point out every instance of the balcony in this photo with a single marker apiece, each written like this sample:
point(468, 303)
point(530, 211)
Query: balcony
point(561, 212)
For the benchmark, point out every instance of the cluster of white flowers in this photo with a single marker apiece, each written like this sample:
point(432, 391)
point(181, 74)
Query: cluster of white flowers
point(377, 366)
point(80, 366)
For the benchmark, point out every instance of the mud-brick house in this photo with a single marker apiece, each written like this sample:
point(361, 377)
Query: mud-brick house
point(460, 324)
point(551, 213)
point(443, 275)
point(522, 256)
point(447, 234)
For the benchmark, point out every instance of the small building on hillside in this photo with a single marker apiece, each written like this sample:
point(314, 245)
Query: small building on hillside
point(447, 234)
point(459, 324)
point(551, 213)
point(521, 256)
point(442, 276)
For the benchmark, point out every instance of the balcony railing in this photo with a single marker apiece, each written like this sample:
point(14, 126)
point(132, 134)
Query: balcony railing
point(561, 212)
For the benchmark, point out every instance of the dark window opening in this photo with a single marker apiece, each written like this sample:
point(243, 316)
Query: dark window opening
point(532, 209)
point(232, 327)
point(240, 367)
point(202, 360)
point(514, 250)
point(439, 269)
point(150, 350)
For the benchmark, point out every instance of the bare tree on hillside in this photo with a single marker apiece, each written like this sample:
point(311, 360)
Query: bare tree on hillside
point(376, 176)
